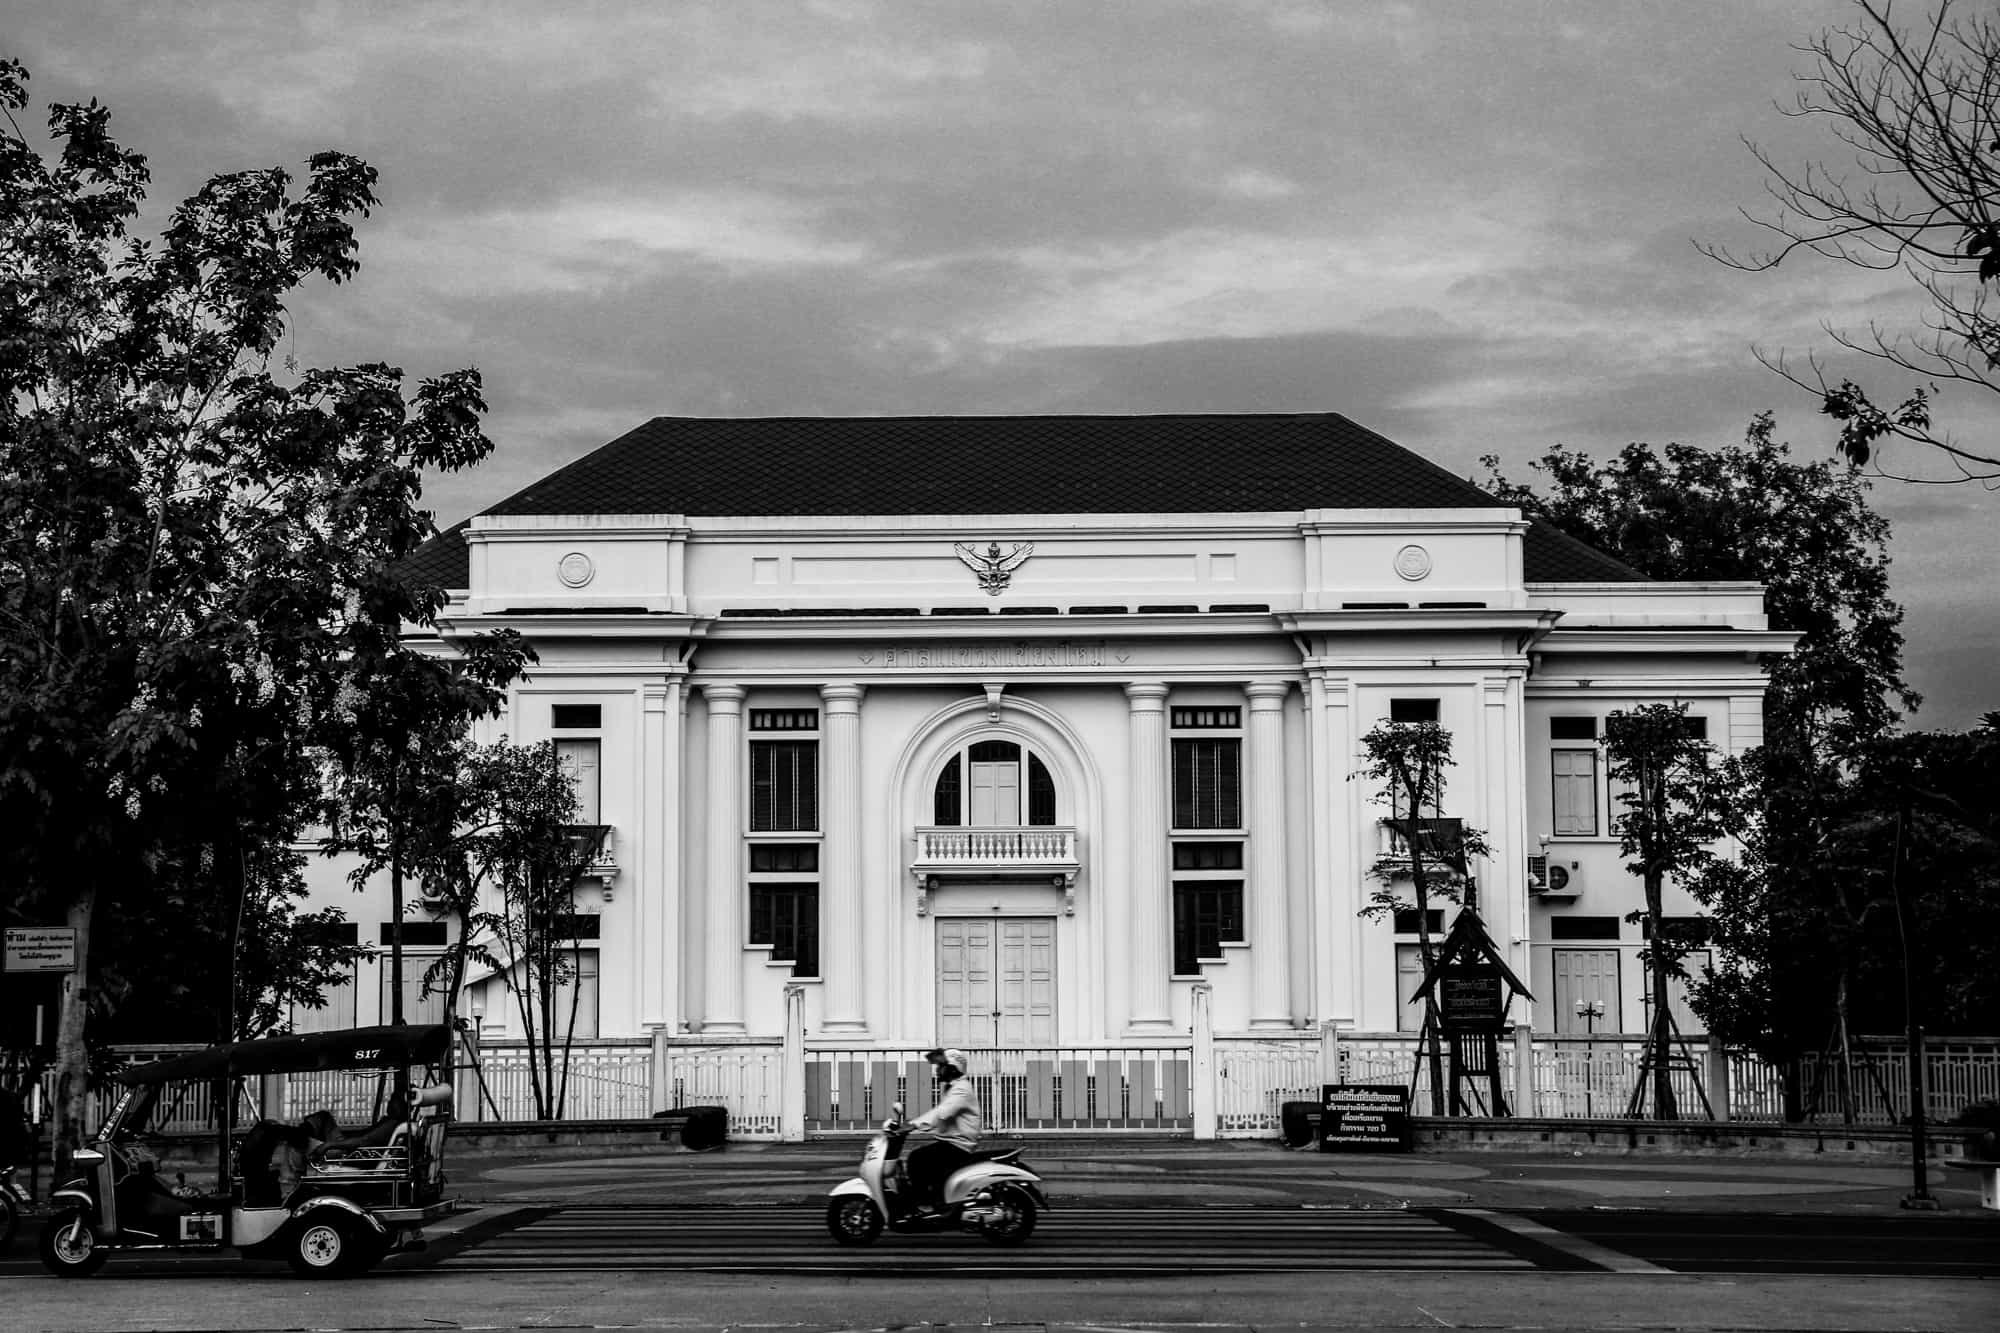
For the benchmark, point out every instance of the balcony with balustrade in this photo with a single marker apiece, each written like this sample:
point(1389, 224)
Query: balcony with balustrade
point(1040, 851)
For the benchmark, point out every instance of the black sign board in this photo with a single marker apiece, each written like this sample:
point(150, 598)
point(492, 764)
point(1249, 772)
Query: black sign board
point(1364, 1117)
point(1472, 998)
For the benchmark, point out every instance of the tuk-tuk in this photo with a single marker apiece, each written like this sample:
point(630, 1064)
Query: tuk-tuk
point(333, 1201)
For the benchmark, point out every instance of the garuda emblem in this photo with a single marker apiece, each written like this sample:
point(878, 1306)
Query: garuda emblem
point(994, 568)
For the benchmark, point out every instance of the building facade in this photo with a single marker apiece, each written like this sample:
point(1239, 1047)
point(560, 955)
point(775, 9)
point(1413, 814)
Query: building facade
point(1013, 732)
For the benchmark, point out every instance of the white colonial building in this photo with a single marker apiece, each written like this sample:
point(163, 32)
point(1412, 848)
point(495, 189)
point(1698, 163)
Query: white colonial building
point(1022, 732)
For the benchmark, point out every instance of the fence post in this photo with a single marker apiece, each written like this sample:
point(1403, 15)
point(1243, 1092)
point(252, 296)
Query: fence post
point(792, 1080)
point(1715, 1069)
point(1203, 1074)
point(1527, 1093)
point(659, 1087)
point(1329, 1051)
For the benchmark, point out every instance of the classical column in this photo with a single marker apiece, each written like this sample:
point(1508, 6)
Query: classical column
point(658, 890)
point(842, 956)
point(723, 889)
point(1269, 929)
point(1150, 941)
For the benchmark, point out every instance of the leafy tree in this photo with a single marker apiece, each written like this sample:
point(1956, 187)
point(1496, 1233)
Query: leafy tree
point(1805, 531)
point(1409, 760)
point(191, 544)
point(1909, 858)
point(1748, 512)
point(503, 856)
point(397, 745)
point(1675, 801)
point(1918, 107)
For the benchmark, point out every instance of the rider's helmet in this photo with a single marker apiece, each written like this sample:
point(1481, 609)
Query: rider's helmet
point(950, 1062)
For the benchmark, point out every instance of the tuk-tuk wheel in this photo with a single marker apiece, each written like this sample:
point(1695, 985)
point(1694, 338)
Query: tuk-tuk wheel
point(69, 1247)
point(326, 1244)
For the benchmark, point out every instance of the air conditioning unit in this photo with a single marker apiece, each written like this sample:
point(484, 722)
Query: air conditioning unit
point(1552, 879)
point(431, 893)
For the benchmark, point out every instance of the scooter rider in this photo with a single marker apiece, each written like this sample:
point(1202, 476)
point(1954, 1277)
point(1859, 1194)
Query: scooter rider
point(954, 1123)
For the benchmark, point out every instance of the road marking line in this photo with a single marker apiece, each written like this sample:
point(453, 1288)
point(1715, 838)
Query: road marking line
point(1576, 1247)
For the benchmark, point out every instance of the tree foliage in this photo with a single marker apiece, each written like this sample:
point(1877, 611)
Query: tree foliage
point(1750, 513)
point(1916, 109)
point(192, 540)
point(1810, 951)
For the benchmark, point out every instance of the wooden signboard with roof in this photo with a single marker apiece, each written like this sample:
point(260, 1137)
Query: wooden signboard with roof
point(1472, 985)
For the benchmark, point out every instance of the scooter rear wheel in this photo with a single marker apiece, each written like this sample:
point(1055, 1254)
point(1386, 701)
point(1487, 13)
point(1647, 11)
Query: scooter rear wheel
point(1015, 1219)
point(853, 1220)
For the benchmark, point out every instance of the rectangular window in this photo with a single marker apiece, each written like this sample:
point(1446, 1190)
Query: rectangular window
point(1692, 932)
point(786, 917)
point(1572, 728)
point(784, 719)
point(417, 1006)
point(1574, 773)
point(575, 717)
point(1686, 1020)
point(1409, 976)
point(784, 858)
point(1206, 719)
point(1208, 782)
point(338, 1013)
point(1406, 921)
point(1413, 710)
point(1207, 915)
point(1583, 927)
point(580, 988)
point(784, 786)
point(417, 934)
point(1586, 990)
point(580, 761)
point(1696, 726)
point(1208, 856)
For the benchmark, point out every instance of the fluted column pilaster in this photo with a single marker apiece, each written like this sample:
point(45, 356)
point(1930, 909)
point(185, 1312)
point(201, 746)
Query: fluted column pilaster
point(1151, 927)
point(842, 957)
point(1269, 930)
point(723, 1010)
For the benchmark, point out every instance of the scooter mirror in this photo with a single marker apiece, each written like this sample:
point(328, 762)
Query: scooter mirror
point(897, 1110)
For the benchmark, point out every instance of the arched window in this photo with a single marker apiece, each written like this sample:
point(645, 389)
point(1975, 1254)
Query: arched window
point(993, 784)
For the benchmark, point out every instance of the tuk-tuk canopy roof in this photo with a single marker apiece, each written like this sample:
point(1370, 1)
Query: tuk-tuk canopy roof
point(352, 1048)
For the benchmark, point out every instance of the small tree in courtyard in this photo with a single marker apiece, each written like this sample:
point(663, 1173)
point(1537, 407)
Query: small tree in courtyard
point(1409, 760)
point(508, 874)
point(1674, 797)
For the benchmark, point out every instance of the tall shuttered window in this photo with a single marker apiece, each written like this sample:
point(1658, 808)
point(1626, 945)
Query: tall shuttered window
point(784, 770)
point(1208, 768)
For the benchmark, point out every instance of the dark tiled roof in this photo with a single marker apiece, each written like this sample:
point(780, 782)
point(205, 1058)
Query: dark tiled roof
point(1001, 465)
point(1550, 555)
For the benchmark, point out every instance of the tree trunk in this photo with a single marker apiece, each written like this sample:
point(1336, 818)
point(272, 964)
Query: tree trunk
point(1664, 1107)
point(72, 1092)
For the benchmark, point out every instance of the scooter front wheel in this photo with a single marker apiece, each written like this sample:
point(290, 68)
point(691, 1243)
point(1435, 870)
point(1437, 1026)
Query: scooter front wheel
point(70, 1248)
point(853, 1220)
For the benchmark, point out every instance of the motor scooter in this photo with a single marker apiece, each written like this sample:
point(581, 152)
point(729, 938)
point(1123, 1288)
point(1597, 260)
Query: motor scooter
point(993, 1195)
point(14, 1201)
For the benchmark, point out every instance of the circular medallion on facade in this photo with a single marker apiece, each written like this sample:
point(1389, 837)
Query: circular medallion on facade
point(575, 569)
point(1413, 562)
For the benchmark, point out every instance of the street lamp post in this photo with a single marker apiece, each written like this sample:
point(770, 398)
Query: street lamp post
point(1589, 1011)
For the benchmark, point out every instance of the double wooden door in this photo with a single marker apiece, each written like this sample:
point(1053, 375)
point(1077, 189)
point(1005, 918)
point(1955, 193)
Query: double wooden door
point(996, 981)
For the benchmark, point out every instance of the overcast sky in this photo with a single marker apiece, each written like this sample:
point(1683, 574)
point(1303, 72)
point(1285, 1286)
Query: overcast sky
point(1469, 226)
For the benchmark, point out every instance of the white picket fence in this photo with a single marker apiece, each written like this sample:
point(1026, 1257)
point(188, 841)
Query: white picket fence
point(1231, 1085)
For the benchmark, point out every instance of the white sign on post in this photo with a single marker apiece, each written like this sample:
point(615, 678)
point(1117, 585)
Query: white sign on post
point(41, 949)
